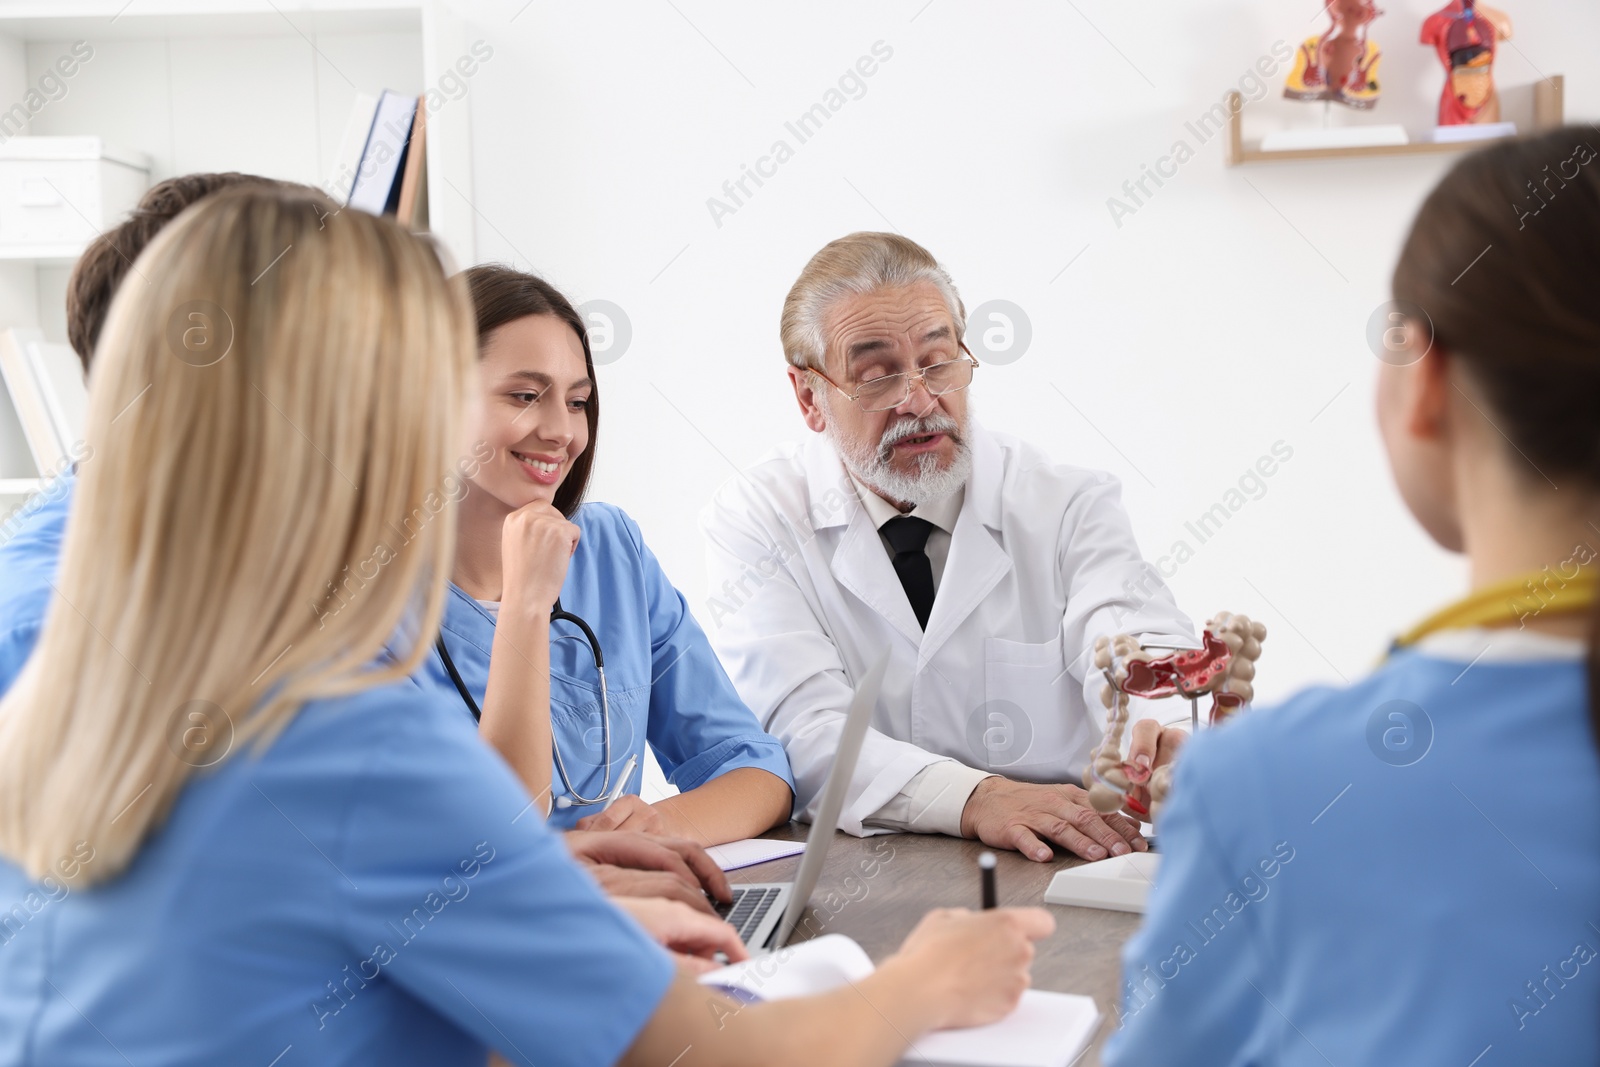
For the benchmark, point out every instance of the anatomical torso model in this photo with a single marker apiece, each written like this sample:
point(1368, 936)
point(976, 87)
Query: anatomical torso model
point(1342, 64)
point(1464, 33)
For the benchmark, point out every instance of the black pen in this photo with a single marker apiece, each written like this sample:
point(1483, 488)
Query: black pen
point(986, 862)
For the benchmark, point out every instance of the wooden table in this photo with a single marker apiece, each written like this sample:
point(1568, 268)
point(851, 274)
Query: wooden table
point(875, 889)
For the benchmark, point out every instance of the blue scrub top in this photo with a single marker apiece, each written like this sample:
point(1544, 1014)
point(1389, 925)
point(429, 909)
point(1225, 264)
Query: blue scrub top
point(28, 560)
point(1406, 871)
point(361, 892)
point(666, 685)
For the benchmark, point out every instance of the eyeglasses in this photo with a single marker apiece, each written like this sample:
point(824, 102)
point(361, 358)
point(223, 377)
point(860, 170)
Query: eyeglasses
point(889, 391)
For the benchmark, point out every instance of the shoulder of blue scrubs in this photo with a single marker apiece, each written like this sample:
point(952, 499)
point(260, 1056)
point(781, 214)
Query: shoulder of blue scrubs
point(1330, 866)
point(29, 557)
point(369, 888)
point(698, 726)
point(608, 518)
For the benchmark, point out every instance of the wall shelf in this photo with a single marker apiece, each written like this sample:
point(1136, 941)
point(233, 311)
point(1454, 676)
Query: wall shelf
point(114, 20)
point(61, 255)
point(1548, 112)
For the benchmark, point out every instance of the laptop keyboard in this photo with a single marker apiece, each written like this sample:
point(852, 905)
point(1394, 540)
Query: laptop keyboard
point(749, 907)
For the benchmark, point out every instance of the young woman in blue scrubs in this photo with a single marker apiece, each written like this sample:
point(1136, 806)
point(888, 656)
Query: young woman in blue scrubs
point(1407, 870)
point(233, 827)
point(535, 443)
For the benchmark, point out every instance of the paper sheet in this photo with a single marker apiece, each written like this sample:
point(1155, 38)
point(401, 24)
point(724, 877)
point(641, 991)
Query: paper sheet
point(751, 851)
point(801, 970)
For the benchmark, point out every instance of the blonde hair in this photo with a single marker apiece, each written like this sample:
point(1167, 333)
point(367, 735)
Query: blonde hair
point(277, 391)
point(858, 263)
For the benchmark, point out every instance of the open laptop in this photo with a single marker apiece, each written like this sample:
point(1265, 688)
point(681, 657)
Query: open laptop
point(766, 913)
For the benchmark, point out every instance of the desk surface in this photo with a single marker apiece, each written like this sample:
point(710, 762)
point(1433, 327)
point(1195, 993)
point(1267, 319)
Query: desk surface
point(874, 890)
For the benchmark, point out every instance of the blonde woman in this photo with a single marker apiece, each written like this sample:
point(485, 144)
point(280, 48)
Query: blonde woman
point(231, 829)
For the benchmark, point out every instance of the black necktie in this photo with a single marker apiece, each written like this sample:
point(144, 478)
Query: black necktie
point(908, 537)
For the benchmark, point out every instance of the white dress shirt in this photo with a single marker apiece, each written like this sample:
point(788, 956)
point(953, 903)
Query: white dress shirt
point(941, 512)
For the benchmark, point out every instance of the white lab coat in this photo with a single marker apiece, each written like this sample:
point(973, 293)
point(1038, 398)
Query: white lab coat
point(804, 600)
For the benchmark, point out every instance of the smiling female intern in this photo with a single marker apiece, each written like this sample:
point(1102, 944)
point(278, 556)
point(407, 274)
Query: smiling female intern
point(529, 545)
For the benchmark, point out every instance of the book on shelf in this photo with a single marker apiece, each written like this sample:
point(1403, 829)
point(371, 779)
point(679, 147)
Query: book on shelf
point(411, 207)
point(376, 186)
point(45, 383)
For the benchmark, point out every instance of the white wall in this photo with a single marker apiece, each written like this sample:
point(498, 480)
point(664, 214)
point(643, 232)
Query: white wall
point(1226, 314)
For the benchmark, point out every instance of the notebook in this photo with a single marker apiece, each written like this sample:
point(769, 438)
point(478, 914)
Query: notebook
point(1045, 1030)
point(753, 850)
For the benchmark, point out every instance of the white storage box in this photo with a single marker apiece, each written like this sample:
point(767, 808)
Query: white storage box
point(58, 193)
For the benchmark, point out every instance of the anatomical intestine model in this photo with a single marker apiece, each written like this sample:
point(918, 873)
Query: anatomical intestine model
point(1464, 33)
point(1342, 64)
point(1224, 668)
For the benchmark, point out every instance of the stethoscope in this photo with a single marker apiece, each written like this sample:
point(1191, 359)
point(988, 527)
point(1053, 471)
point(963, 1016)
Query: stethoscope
point(572, 798)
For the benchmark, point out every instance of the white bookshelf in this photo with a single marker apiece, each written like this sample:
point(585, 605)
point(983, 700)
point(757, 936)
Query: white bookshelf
point(262, 86)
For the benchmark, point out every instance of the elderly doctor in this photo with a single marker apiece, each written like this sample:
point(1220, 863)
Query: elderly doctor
point(985, 569)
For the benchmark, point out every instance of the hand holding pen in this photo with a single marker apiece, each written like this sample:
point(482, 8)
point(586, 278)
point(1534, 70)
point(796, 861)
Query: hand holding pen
point(625, 811)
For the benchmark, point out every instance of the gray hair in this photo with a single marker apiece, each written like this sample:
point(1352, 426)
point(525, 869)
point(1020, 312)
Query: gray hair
point(858, 263)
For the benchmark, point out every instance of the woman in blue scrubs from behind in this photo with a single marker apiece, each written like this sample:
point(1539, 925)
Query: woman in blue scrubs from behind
point(535, 444)
point(233, 829)
point(1406, 870)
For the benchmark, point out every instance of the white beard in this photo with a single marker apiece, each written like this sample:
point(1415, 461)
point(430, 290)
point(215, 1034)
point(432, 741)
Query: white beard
point(872, 466)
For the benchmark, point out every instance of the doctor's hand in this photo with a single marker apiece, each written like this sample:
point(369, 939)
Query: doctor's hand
point(640, 865)
point(1150, 746)
point(630, 812)
point(1027, 817)
point(694, 938)
point(536, 544)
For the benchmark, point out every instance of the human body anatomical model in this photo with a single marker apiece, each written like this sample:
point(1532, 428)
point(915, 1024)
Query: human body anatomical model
point(1464, 34)
point(1224, 668)
point(1340, 65)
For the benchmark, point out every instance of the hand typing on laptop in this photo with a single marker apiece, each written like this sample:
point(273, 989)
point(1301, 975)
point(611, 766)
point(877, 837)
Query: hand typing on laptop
point(644, 865)
point(693, 938)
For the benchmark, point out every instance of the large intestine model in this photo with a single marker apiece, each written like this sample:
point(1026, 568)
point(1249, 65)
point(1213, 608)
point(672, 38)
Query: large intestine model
point(1223, 667)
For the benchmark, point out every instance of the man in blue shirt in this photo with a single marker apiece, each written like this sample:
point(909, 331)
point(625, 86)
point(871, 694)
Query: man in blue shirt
point(28, 567)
